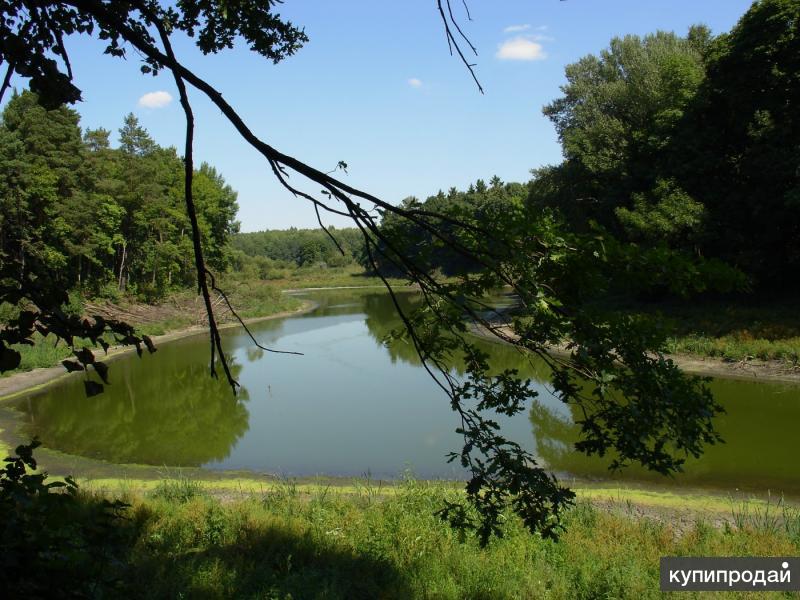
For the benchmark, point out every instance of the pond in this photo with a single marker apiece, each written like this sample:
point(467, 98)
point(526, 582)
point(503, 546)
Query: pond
point(352, 405)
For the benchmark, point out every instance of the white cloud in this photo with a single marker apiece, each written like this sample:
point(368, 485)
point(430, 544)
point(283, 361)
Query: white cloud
point(414, 82)
point(155, 99)
point(520, 48)
point(516, 28)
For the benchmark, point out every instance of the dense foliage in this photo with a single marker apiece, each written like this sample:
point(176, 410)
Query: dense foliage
point(491, 203)
point(99, 218)
point(53, 541)
point(688, 142)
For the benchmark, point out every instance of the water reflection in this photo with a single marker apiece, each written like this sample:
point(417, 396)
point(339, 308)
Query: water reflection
point(162, 409)
point(353, 404)
point(381, 320)
point(759, 453)
point(254, 354)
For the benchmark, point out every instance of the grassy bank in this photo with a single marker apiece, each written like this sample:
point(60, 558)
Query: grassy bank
point(180, 311)
point(733, 331)
point(179, 541)
point(737, 329)
point(349, 276)
point(183, 309)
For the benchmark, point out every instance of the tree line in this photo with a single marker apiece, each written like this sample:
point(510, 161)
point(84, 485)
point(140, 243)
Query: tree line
point(692, 142)
point(688, 144)
point(555, 275)
point(102, 219)
point(266, 251)
point(275, 249)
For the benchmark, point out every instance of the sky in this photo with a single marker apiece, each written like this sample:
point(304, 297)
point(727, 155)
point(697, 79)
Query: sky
point(377, 88)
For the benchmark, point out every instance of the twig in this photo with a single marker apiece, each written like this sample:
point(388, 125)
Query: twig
point(453, 43)
point(241, 321)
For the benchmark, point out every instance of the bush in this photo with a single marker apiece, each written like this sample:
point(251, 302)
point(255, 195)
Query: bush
point(74, 305)
point(54, 542)
point(8, 312)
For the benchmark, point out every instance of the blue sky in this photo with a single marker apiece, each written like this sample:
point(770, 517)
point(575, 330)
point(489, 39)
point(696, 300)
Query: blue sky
point(377, 88)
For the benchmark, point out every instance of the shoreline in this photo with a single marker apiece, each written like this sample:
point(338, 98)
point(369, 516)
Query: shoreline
point(101, 474)
point(25, 382)
point(757, 371)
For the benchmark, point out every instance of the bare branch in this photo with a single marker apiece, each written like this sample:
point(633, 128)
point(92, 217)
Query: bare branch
point(216, 341)
point(458, 28)
point(466, 8)
point(325, 229)
point(453, 42)
point(241, 321)
point(6, 80)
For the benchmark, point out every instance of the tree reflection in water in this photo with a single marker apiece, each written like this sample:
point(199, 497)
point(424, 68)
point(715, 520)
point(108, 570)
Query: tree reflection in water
point(164, 411)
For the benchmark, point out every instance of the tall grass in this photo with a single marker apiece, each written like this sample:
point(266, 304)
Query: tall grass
point(775, 518)
point(737, 347)
point(733, 330)
point(178, 490)
point(327, 544)
point(44, 353)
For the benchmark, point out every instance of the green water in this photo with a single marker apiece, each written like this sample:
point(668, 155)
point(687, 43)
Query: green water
point(352, 405)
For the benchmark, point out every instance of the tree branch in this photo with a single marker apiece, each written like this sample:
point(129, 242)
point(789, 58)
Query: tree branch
point(453, 42)
point(6, 80)
point(202, 284)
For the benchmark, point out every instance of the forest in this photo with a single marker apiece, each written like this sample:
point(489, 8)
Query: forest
point(294, 247)
point(686, 144)
point(638, 167)
point(104, 221)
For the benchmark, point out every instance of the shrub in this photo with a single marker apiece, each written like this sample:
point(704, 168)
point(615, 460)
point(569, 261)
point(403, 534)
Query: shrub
point(54, 541)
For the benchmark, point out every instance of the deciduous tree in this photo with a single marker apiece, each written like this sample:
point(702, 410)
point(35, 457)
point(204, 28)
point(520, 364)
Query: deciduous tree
point(640, 405)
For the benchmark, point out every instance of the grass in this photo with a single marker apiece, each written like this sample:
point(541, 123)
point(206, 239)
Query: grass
point(731, 330)
point(772, 517)
point(258, 298)
point(184, 542)
point(349, 276)
point(44, 353)
point(165, 326)
point(738, 347)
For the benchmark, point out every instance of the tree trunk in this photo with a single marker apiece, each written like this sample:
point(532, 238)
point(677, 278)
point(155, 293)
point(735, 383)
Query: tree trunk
point(122, 264)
